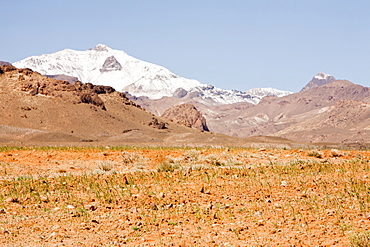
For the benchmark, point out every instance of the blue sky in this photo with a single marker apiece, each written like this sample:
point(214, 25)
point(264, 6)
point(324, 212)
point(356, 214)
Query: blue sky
point(234, 44)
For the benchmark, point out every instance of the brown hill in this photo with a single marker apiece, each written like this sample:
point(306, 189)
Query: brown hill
point(38, 110)
point(284, 116)
point(188, 115)
point(212, 113)
point(302, 116)
point(346, 121)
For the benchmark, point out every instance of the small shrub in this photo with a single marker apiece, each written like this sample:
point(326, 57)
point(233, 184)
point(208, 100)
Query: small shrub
point(212, 159)
point(165, 167)
point(315, 153)
point(244, 154)
point(105, 166)
point(192, 155)
point(360, 239)
point(233, 162)
point(167, 164)
point(140, 165)
point(129, 158)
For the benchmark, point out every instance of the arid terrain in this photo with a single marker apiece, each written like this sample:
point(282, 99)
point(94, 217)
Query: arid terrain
point(334, 112)
point(83, 165)
point(138, 196)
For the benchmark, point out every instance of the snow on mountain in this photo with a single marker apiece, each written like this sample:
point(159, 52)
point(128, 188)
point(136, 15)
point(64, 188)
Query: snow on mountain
point(105, 66)
point(322, 76)
point(318, 80)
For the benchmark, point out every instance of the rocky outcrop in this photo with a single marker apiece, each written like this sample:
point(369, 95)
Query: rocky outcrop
point(188, 115)
point(75, 92)
point(156, 124)
point(6, 68)
point(111, 64)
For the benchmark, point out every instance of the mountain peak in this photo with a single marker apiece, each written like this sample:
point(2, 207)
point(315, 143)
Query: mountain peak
point(319, 80)
point(101, 47)
point(103, 65)
point(322, 76)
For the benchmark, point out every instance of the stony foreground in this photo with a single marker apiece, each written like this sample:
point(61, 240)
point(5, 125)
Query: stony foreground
point(183, 197)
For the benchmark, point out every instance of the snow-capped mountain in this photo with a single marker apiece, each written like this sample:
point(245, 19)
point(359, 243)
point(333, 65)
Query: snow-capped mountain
point(318, 80)
point(105, 66)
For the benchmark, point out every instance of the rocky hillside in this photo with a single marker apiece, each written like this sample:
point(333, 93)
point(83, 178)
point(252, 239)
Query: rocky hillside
point(188, 115)
point(309, 116)
point(35, 109)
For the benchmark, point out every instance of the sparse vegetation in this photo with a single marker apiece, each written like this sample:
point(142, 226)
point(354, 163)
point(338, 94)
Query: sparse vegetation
point(129, 158)
point(360, 239)
point(105, 166)
point(315, 153)
point(254, 197)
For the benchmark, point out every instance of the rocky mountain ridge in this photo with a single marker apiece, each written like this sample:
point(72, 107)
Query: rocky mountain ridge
point(308, 116)
point(105, 66)
point(300, 116)
point(39, 109)
point(325, 110)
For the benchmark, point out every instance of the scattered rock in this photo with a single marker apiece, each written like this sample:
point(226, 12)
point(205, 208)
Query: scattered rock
point(156, 124)
point(91, 207)
point(154, 206)
point(11, 199)
point(44, 199)
point(162, 195)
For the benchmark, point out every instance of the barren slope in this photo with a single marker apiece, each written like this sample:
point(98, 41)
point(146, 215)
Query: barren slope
point(274, 116)
point(302, 116)
point(35, 108)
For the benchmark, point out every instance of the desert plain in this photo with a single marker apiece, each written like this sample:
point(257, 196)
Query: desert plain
point(164, 196)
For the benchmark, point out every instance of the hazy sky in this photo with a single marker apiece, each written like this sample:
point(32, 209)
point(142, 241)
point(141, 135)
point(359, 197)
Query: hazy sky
point(233, 44)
